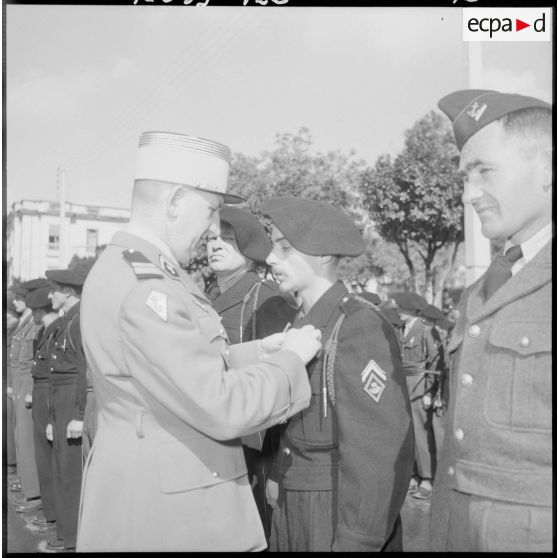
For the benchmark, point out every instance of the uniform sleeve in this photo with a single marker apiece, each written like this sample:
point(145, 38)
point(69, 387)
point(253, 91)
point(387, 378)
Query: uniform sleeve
point(376, 444)
point(26, 361)
point(180, 361)
point(81, 379)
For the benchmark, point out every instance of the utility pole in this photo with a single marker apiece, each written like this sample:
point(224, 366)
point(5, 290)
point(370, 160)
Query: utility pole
point(62, 232)
point(477, 246)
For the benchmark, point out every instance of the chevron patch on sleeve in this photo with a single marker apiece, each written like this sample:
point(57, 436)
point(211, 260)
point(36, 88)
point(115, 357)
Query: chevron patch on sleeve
point(143, 268)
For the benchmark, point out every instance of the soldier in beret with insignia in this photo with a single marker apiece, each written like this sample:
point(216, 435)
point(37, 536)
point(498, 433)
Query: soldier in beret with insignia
point(342, 472)
point(494, 487)
point(250, 308)
point(67, 367)
point(167, 471)
point(47, 321)
point(421, 356)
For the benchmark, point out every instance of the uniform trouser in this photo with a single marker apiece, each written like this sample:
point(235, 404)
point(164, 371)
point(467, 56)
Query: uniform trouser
point(10, 436)
point(425, 443)
point(483, 525)
point(89, 424)
point(24, 441)
point(303, 521)
point(43, 448)
point(67, 462)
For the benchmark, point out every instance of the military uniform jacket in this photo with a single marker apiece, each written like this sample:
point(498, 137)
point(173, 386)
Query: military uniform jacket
point(361, 446)
point(41, 366)
point(499, 434)
point(21, 355)
point(166, 471)
point(67, 362)
point(252, 308)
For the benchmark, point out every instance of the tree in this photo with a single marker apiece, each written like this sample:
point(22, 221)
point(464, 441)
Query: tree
point(415, 202)
point(85, 263)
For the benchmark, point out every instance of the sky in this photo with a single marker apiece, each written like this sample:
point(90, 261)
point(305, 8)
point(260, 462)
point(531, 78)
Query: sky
point(83, 82)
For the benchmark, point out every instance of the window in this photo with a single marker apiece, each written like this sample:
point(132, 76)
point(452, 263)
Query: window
point(53, 237)
point(92, 240)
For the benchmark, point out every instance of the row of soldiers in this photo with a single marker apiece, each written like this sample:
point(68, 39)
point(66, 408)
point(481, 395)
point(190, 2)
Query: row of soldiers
point(53, 420)
point(251, 305)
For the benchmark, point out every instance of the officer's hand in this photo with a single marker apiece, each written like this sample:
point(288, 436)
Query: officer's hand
point(426, 401)
point(10, 392)
point(272, 343)
point(49, 435)
point(305, 342)
point(28, 401)
point(75, 428)
point(272, 493)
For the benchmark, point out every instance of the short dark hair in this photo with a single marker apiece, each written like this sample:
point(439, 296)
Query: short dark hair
point(532, 124)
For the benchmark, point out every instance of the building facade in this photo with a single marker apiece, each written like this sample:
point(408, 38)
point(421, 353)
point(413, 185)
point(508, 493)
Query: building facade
point(39, 238)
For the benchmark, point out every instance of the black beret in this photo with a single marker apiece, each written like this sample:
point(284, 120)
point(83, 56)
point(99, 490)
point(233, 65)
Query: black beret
point(432, 312)
point(409, 301)
point(251, 238)
point(33, 284)
point(472, 109)
point(38, 298)
point(371, 297)
point(315, 228)
point(18, 290)
point(66, 277)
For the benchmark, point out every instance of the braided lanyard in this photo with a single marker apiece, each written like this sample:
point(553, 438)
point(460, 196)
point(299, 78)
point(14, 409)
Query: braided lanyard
point(255, 287)
point(328, 365)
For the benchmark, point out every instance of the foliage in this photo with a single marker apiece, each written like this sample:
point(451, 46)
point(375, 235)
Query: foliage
point(415, 202)
point(84, 264)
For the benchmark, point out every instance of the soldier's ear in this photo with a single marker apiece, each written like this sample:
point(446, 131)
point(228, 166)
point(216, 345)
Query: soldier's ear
point(174, 199)
point(546, 164)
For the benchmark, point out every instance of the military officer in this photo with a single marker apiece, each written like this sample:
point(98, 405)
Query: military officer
point(494, 488)
point(20, 363)
point(47, 320)
point(66, 363)
point(344, 465)
point(166, 471)
point(250, 308)
point(420, 356)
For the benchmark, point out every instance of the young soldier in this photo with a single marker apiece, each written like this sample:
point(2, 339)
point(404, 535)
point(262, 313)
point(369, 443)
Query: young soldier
point(344, 463)
point(67, 402)
point(250, 308)
point(494, 488)
point(47, 320)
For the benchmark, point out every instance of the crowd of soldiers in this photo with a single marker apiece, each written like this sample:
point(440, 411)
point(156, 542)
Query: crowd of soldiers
point(54, 407)
point(278, 410)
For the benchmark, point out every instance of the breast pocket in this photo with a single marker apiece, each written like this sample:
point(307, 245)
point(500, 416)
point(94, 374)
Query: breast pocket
point(519, 381)
point(213, 331)
point(310, 428)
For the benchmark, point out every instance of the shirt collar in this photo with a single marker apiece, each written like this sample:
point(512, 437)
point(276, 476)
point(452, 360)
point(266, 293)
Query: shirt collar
point(530, 248)
point(319, 314)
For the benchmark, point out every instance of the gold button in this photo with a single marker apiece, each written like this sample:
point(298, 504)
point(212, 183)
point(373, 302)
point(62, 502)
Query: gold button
point(215, 474)
point(345, 298)
point(474, 331)
point(287, 451)
point(459, 434)
point(53, 356)
point(227, 353)
point(466, 380)
point(451, 471)
point(525, 341)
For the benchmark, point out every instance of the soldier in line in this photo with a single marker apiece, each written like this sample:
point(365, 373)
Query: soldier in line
point(12, 319)
point(167, 471)
point(494, 490)
point(344, 465)
point(20, 363)
point(420, 355)
point(47, 320)
point(250, 308)
point(66, 363)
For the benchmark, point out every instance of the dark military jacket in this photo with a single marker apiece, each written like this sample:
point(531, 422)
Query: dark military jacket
point(67, 359)
point(356, 437)
point(252, 308)
point(41, 367)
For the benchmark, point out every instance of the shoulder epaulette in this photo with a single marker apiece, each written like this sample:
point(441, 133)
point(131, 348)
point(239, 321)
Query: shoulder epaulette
point(143, 268)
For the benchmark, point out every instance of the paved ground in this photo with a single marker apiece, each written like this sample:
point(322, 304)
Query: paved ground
point(21, 539)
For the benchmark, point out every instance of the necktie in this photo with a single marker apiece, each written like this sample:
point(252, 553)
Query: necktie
point(500, 270)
